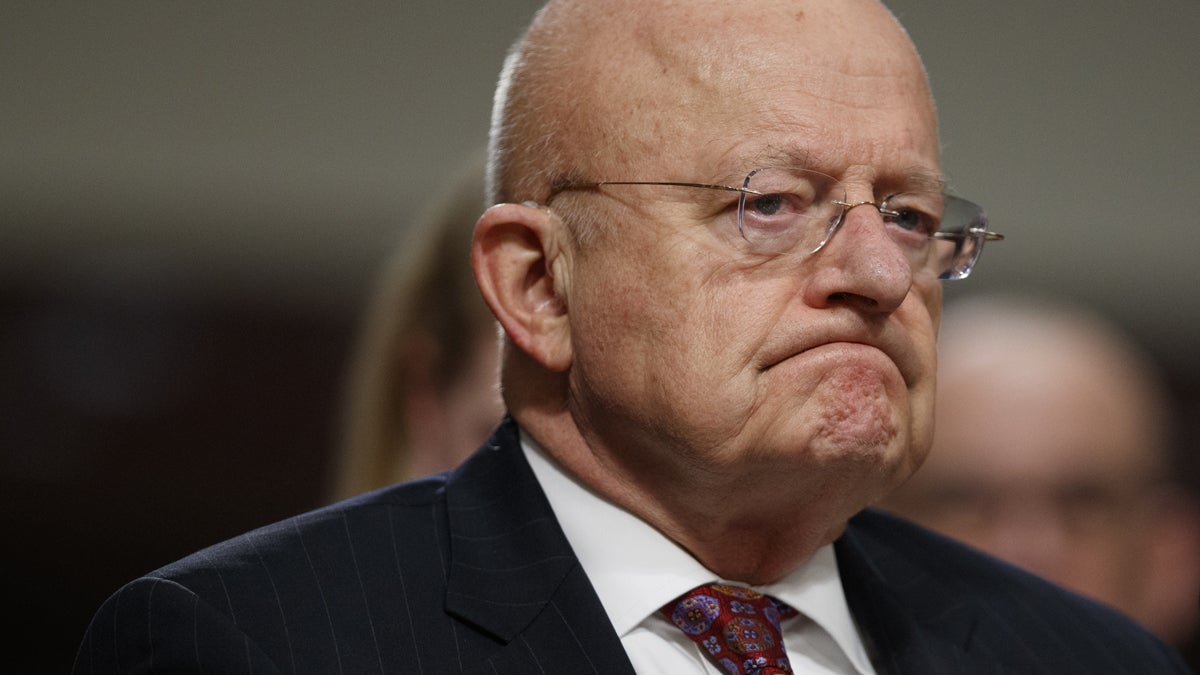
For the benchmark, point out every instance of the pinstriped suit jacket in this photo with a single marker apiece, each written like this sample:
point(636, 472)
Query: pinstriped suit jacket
point(470, 573)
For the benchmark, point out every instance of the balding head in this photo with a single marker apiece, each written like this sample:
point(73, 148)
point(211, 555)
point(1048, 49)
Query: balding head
point(636, 88)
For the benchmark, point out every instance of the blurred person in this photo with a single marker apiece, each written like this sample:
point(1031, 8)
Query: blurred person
point(717, 248)
point(424, 379)
point(1052, 450)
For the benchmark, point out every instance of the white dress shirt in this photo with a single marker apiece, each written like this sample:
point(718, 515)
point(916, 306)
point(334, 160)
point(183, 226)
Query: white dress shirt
point(636, 570)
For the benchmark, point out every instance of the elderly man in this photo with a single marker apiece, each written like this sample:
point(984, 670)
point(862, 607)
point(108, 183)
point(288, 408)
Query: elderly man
point(716, 257)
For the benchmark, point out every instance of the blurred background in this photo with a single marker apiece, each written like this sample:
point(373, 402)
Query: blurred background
point(195, 198)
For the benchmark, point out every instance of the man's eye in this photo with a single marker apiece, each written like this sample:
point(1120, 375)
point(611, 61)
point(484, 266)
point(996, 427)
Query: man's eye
point(913, 220)
point(914, 212)
point(768, 205)
point(910, 220)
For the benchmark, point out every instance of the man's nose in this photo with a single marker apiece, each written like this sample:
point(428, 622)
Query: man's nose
point(861, 265)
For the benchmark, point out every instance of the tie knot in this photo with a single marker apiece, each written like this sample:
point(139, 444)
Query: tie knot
point(736, 628)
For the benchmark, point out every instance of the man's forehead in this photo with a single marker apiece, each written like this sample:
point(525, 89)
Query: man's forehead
point(727, 67)
point(817, 157)
point(701, 38)
point(683, 90)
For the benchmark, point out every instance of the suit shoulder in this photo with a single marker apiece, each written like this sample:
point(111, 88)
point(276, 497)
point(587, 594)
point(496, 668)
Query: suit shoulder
point(322, 588)
point(897, 546)
point(398, 511)
point(978, 599)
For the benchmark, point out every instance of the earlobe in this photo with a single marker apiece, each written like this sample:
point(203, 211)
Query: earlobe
point(515, 256)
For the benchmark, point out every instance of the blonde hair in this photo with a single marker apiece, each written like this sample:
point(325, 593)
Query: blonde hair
point(426, 311)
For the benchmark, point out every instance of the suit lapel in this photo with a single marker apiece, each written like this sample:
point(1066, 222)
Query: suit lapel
point(911, 621)
point(512, 573)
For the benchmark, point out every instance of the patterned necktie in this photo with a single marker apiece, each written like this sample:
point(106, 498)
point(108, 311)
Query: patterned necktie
point(736, 628)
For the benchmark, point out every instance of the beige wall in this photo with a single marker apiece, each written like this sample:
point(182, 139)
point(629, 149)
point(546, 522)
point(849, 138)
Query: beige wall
point(277, 146)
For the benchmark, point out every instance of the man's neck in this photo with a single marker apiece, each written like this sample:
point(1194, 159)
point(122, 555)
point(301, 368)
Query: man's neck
point(737, 530)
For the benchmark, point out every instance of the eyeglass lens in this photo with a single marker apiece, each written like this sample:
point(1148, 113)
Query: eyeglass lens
point(789, 209)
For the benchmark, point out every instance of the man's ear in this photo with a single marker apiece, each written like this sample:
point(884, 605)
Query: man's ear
point(515, 254)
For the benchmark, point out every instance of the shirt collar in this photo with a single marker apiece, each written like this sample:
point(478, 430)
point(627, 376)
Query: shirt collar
point(636, 570)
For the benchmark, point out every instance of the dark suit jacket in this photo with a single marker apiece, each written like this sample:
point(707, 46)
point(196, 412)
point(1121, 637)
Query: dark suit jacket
point(469, 572)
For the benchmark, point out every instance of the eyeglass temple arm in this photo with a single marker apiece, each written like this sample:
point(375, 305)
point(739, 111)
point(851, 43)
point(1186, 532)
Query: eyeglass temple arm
point(592, 185)
point(987, 235)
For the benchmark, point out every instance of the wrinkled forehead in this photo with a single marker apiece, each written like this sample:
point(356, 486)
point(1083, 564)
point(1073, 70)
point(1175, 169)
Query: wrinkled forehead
point(694, 77)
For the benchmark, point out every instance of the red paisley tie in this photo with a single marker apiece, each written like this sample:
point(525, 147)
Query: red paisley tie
point(736, 628)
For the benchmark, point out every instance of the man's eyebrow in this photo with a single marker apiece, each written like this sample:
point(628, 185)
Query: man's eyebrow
point(920, 178)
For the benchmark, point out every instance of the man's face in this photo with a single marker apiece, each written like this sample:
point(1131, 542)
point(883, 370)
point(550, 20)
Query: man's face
point(693, 354)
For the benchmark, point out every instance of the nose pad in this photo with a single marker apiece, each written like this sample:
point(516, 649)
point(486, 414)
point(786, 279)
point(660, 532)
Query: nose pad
point(835, 222)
